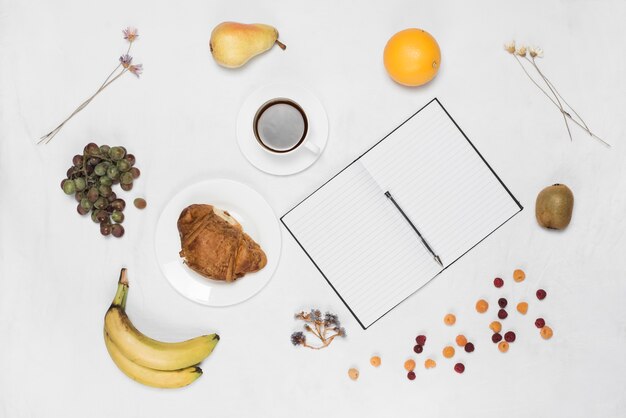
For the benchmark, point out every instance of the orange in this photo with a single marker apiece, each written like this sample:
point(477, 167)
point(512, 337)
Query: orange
point(448, 351)
point(412, 57)
point(482, 306)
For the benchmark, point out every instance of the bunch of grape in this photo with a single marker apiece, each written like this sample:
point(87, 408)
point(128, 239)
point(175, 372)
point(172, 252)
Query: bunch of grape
point(91, 178)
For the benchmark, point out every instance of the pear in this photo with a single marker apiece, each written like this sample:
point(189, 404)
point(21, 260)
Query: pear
point(233, 44)
point(554, 206)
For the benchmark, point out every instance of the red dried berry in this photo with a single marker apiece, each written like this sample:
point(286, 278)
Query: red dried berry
point(509, 336)
point(502, 314)
point(540, 323)
point(420, 339)
point(541, 294)
point(469, 347)
point(411, 375)
point(496, 338)
point(459, 368)
point(498, 282)
point(502, 302)
point(418, 348)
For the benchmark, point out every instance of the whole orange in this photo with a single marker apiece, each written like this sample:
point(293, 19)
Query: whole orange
point(412, 57)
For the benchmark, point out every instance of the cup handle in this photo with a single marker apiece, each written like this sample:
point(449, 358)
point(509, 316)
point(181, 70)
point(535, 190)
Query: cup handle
point(312, 147)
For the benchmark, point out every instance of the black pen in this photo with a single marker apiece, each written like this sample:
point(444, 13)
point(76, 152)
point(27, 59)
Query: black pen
point(435, 256)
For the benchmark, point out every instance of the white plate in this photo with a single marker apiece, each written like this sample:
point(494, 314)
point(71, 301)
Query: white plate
point(292, 162)
point(256, 217)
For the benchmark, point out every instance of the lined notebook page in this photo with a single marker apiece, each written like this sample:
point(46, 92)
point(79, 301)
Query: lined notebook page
point(441, 183)
point(362, 245)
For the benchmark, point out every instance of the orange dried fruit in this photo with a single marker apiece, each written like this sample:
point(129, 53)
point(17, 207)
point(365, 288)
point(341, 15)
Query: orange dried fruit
point(449, 319)
point(495, 326)
point(375, 361)
point(546, 332)
point(448, 351)
point(522, 308)
point(503, 346)
point(519, 275)
point(353, 373)
point(430, 364)
point(409, 365)
point(461, 340)
point(482, 306)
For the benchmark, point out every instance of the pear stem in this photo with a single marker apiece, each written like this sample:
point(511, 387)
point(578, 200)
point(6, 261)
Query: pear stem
point(281, 45)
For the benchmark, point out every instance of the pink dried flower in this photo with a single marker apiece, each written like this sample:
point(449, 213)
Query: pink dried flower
point(136, 69)
point(130, 34)
point(125, 60)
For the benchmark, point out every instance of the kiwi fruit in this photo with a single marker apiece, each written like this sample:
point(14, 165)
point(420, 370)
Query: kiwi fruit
point(554, 206)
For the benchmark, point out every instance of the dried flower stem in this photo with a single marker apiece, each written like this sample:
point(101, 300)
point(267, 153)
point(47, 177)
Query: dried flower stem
point(319, 326)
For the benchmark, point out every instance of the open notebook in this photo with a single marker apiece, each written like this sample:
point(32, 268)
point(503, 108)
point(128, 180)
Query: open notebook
point(367, 251)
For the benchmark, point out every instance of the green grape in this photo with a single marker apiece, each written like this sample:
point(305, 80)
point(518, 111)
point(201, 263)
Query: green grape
point(117, 216)
point(113, 173)
point(86, 204)
point(111, 197)
point(93, 216)
point(93, 194)
point(106, 180)
point(78, 196)
point(81, 210)
point(104, 190)
point(80, 183)
point(91, 149)
point(117, 153)
point(127, 187)
point(104, 149)
point(118, 204)
point(126, 178)
point(101, 169)
point(69, 187)
point(101, 203)
point(123, 165)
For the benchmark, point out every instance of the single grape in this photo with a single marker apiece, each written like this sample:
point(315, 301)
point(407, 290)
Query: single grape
point(93, 161)
point(135, 172)
point(63, 182)
point(113, 173)
point(101, 203)
point(127, 187)
point(104, 190)
point(123, 165)
point(104, 149)
point(140, 203)
point(91, 149)
point(105, 180)
point(101, 169)
point(89, 169)
point(111, 197)
point(78, 161)
point(130, 158)
point(126, 178)
point(117, 230)
point(105, 228)
point(93, 216)
point(102, 216)
point(78, 196)
point(81, 210)
point(117, 216)
point(117, 153)
point(80, 183)
point(93, 194)
point(118, 204)
point(86, 204)
point(70, 172)
point(69, 187)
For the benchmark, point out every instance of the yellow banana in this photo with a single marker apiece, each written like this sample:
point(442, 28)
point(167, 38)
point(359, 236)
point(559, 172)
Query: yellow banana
point(146, 351)
point(151, 377)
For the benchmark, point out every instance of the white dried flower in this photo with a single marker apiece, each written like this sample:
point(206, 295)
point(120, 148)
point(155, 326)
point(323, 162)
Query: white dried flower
point(521, 51)
point(510, 47)
point(535, 52)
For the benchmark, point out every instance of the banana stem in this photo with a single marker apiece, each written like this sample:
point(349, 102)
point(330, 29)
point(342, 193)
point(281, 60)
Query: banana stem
point(122, 291)
point(280, 44)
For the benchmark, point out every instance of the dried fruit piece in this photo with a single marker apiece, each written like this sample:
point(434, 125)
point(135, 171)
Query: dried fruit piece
point(353, 373)
point(495, 326)
point(461, 340)
point(469, 347)
point(498, 282)
point(509, 336)
point(502, 314)
point(496, 337)
point(519, 275)
point(411, 375)
point(459, 368)
point(418, 348)
point(430, 364)
point(448, 351)
point(375, 361)
point(503, 346)
point(502, 302)
point(541, 294)
point(409, 365)
point(522, 308)
point(540, 323)
point(140, 203)
point(420, 339)
point(546, 332)
point(449, 319)
point(482, 306)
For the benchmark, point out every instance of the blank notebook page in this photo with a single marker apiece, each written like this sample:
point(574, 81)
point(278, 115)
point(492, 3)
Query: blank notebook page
point(361, 243)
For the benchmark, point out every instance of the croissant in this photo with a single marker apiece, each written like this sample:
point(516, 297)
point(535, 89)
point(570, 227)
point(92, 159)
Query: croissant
point(214, 245)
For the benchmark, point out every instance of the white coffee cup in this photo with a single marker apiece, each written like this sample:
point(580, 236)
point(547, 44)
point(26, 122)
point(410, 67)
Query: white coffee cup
point(280, 126)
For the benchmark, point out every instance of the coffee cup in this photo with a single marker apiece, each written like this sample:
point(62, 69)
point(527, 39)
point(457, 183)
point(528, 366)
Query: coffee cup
point(281, 126)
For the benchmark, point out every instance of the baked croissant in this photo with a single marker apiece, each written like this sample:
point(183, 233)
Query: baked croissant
point(215, 246)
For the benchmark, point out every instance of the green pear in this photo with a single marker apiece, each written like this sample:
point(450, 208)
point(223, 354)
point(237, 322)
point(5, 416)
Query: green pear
point(554, 206)
point(233, 44)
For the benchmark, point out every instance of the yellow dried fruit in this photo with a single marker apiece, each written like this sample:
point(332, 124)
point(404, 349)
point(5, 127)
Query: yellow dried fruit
point(409, 365)
point(522, 308)
point(430, 364)
point(448, 351)
point(482, 306)
point(353, 373)
point(495, 326)
point(449, 319)
point(375, 361)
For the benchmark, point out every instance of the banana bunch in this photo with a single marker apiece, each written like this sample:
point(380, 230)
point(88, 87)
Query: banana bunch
point(151, 362)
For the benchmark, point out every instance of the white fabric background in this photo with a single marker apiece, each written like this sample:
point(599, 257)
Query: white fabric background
point(57, 275)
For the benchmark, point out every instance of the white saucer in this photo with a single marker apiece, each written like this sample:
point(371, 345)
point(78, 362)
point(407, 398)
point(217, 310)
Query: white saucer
point(256, 217)
point(292, 162)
